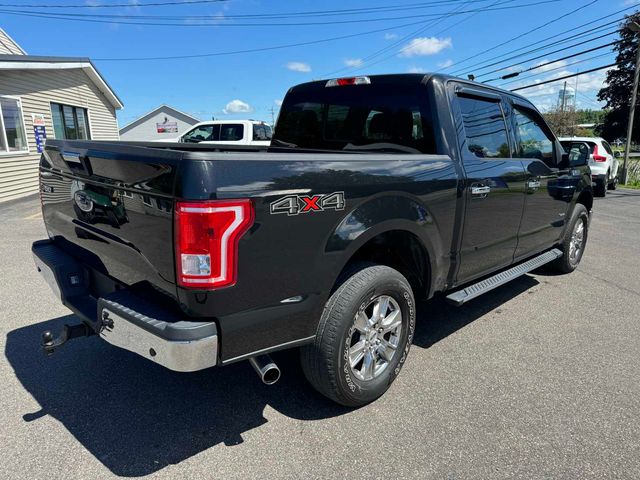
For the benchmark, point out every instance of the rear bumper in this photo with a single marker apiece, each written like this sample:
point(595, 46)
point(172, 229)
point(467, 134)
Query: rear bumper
point(126, 319)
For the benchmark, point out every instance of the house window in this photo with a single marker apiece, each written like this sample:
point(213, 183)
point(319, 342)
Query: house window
point(12, 137)
point(70, 123)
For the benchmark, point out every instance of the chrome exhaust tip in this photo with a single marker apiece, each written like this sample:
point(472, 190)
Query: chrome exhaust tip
point(266, 369)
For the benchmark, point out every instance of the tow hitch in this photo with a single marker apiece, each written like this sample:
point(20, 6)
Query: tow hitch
point(69, 332)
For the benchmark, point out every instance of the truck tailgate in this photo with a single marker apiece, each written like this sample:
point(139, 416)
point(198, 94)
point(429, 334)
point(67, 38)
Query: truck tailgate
point(116, 205)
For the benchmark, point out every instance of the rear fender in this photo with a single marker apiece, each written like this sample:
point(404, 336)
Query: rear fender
point(396, 212)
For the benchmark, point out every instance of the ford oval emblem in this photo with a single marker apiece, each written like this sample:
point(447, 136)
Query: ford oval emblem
point(83, 201)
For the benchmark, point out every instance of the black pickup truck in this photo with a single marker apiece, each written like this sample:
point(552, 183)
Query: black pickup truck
point(376, 191)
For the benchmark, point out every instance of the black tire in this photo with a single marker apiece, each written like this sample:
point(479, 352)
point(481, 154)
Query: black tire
point(613, 184)
point(569, 262)
point(326, 362)
point(600, 189)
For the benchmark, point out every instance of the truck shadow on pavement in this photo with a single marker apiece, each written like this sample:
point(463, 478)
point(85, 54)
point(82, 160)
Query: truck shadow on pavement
point(137, 417)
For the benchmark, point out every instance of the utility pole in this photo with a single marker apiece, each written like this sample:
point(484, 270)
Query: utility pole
point(273, 116)
point(564, 96)
point(636, 76)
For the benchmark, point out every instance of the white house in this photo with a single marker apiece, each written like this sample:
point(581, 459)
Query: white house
point(47, 97)
point(161, 123)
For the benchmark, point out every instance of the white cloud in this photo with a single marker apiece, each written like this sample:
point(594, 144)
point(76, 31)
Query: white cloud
point(353, 62)
point(414, 69)
point(390, 36)
point(278, 102)
point(299, 67)
point(237, 106)
point(425, 46)
point(445, 64)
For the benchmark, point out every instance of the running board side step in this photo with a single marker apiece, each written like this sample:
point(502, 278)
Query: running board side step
point(462, 296)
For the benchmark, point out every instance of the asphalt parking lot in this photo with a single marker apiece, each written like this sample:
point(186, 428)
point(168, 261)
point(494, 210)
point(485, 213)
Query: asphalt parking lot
point(538, 380)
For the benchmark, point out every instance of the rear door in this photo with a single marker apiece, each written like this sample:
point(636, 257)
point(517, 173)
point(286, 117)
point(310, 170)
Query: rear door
point(548, 189)
point(227, 134)
point(494, 189)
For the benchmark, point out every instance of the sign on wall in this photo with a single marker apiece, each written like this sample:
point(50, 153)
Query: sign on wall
point(38, 119)
point(167, 127)
point(41, 136)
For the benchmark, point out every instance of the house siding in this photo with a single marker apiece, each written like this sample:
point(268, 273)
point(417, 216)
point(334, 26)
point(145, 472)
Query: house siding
point(36, 90)
point(8, 46)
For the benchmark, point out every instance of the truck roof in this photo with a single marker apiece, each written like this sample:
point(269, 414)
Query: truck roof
point(410, 79)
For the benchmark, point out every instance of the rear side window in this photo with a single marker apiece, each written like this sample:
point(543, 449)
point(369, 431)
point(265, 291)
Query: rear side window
point(485, 129)
point(261, 132)
point(363, 117)
point(533, 141)
point(607, 147)
point(231, 132)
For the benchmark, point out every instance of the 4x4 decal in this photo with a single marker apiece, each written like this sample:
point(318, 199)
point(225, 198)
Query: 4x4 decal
point(296, 204)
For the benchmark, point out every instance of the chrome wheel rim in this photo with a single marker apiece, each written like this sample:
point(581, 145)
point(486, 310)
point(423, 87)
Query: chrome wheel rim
point(375, 338)
point(577, 241)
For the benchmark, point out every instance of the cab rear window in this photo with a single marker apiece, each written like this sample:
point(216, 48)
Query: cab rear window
point(361, 117)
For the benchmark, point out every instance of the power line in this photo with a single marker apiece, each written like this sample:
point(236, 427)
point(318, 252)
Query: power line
point(535, 29)
point(220, 20)
point(196, 2)
point(546, 53)
point(585, 98)
point(405, 48)
point(567, 76)
point(544, 64)
point(572, 35)
point(520, 79)
point(311, 13)
point(401, 40)
point(255, 50)
point(109, 5)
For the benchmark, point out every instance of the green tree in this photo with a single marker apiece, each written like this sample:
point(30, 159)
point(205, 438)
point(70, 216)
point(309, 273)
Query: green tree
point(619, 81)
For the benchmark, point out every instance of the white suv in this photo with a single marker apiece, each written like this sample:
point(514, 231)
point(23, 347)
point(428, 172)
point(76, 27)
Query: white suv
point(602, 161)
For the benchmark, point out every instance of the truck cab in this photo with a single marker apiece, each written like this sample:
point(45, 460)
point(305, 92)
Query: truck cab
point(229, 132)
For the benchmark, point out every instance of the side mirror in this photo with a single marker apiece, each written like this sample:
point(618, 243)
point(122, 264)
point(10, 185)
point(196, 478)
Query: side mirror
point(577, 155)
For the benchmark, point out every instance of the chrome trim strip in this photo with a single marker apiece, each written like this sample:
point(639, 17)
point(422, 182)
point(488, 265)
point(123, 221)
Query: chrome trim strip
point(282, 346)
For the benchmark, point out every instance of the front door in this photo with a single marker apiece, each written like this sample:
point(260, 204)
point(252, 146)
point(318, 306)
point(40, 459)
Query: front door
point(494, 188)
point(546, 199)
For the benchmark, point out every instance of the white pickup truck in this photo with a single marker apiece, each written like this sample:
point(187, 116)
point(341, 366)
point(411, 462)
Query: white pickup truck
point(228, 132)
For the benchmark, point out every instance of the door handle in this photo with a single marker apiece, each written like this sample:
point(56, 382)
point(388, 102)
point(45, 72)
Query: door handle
point(533, 184)
point(480, 190)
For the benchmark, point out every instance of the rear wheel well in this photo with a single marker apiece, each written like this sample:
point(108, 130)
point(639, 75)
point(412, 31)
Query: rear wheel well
point(400, 250)
point(586, 199)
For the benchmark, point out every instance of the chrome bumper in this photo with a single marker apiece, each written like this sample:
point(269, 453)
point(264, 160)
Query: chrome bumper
point(177, 355)
point(178, 343)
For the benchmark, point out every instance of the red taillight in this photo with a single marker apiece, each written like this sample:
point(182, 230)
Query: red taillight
point(206, 238)
point(341, 82)
point(596, 157)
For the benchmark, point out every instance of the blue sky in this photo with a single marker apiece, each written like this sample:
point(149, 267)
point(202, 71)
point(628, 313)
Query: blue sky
point(249, 85)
